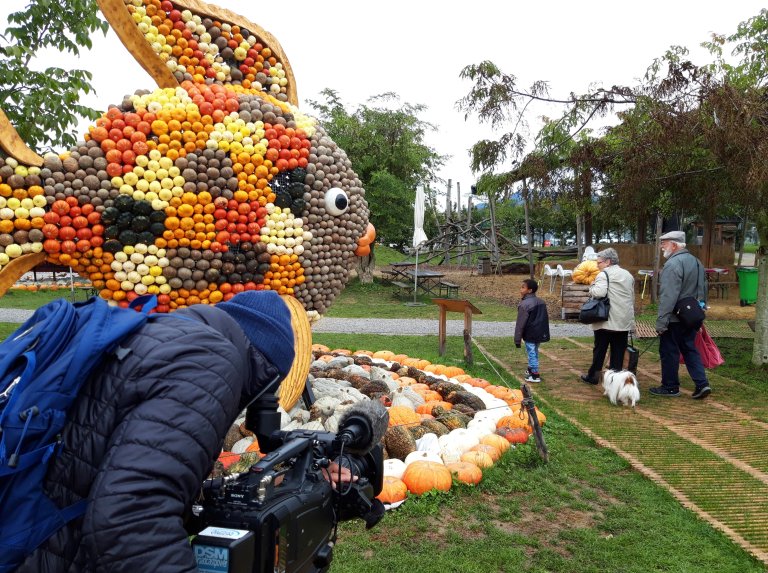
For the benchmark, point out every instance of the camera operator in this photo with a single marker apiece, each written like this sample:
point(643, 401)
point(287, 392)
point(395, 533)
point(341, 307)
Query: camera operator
point(147, 427)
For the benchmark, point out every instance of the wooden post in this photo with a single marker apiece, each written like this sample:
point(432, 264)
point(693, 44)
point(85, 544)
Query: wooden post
point(447, 305)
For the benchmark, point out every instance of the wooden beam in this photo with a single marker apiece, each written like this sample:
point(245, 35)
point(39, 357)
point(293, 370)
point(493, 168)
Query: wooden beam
point(121, 21)
point(13, 145)
point(16, 269)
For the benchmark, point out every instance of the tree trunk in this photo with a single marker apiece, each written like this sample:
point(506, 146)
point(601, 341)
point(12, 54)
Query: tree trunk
point(642, 229)
point(708, 239)
point(365, 266)
point(760, 347)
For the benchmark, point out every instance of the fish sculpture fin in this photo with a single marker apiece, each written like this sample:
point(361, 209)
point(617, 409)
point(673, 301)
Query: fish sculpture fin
point(123, 19)
point(17, 268)
point(292, 387)
point(12, 144)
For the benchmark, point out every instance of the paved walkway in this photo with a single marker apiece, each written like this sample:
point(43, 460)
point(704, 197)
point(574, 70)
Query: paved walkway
point(711, 455)
point(390, 326)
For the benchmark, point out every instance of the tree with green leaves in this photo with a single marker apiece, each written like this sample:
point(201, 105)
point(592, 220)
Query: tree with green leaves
point(384, 139)
point(43, 104)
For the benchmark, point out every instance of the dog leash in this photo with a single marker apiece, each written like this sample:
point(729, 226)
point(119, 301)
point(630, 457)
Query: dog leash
point(632, 344)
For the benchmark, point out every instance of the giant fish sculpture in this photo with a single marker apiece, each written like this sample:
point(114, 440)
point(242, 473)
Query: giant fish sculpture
point(211, 184)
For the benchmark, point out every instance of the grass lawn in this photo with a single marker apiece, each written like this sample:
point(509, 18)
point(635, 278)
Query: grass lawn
point(376, 300)
point(585, 511)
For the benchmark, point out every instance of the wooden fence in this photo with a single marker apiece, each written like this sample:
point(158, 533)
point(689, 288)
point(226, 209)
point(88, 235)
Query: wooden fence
point(635, 255)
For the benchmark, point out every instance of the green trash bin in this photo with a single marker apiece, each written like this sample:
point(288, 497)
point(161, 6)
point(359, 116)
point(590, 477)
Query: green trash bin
point(747, 285)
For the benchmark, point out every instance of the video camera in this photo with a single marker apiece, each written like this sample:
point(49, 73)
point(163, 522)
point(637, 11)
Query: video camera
point(281, 515)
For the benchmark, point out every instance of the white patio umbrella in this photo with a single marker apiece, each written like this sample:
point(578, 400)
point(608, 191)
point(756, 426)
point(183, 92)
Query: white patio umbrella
point(419, 236)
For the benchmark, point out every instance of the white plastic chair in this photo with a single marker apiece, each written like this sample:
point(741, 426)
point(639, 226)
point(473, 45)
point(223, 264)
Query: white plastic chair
point(551, 273)
point(589, 254)
point(562, 273)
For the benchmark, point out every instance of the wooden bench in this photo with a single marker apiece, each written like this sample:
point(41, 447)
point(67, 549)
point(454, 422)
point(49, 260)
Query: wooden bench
point(449, 290)
point(402, 288)
point(723, 288)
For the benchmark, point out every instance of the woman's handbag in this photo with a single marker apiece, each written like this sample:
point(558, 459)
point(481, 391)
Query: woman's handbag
point(631, 356)
point(595, 309)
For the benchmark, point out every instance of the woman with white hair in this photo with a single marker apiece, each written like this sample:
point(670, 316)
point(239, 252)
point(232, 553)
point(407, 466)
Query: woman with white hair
point(619, 286)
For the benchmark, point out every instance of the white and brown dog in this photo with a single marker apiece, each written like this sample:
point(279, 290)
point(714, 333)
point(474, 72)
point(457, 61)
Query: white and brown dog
point(621, 387)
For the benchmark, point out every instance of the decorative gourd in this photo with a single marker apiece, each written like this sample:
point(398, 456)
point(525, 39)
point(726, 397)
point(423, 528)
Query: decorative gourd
point(418, 456)
point(466, 472)
point(394, 467)
point(406, 381)
point(402, 415)
point(497, 441)
point(422, 476)
point(585, 273)
point(492, 451)
point(480, 459)
point(513, 435)
point(392, 490)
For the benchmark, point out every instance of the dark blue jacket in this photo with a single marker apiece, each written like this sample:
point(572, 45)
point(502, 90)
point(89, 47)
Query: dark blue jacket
point(532, 324)
point(143, 434)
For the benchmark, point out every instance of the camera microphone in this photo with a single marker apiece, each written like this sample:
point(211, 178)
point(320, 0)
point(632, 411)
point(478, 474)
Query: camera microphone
point(363, 426)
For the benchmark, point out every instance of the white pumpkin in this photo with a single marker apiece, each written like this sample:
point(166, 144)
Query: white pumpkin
point(418, 456)
point(394, 467)
point(428, 443)
point(481, 427)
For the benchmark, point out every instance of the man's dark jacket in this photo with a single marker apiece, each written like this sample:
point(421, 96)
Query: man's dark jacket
point(532, 323)
point(142, 436)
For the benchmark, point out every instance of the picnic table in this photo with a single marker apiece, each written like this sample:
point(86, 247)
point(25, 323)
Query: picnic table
point(426, 281)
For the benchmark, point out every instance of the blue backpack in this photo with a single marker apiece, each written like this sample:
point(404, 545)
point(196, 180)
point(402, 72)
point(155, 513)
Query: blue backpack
point(43, 364)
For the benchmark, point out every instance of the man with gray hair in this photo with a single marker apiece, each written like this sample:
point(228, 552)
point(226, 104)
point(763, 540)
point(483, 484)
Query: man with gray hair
point(619, 286)
point(682, 276)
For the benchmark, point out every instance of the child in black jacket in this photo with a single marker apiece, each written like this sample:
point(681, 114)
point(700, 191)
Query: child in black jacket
point(532, 326)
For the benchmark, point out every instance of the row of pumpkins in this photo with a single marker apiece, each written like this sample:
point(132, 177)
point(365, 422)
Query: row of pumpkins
point(444, 424)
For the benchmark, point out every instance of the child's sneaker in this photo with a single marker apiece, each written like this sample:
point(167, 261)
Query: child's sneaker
point(533, 377)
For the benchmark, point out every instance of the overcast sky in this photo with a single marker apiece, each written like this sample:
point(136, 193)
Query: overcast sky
point(417, 49)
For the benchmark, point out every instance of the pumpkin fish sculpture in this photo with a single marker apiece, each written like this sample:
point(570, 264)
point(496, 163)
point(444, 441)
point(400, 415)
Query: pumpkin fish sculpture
point(212, 184)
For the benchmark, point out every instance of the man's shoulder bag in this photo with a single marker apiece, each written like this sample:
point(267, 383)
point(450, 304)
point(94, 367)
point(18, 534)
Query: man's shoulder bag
point(596, 309)
point(689, 311)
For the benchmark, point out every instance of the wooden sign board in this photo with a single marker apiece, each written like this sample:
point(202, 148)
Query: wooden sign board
point(454, 305)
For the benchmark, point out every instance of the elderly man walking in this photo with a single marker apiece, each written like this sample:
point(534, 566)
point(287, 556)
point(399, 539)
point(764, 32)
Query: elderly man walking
point(682, 276)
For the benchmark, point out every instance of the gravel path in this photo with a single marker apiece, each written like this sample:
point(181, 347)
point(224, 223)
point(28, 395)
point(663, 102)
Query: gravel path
point(390, 326)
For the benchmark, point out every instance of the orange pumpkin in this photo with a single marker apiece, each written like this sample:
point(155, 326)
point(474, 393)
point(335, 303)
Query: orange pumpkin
point(465, 472)
point(513, 435)
point(463, 378)
point(480, 459)
point(426, 407)
point(497, 441)
point(431, 395)
point(403, 415)
point(479, 382)
point(452, 371)
point(517, 420)
point(407, 381)
point(342, 352)
point(392, 490)
point(399, 358)
point(423, 476)
point(320, 348)
point(383, 354)
point(492, 451)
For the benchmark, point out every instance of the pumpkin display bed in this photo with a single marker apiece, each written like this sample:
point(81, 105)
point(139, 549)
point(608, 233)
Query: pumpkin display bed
point(445, 426)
